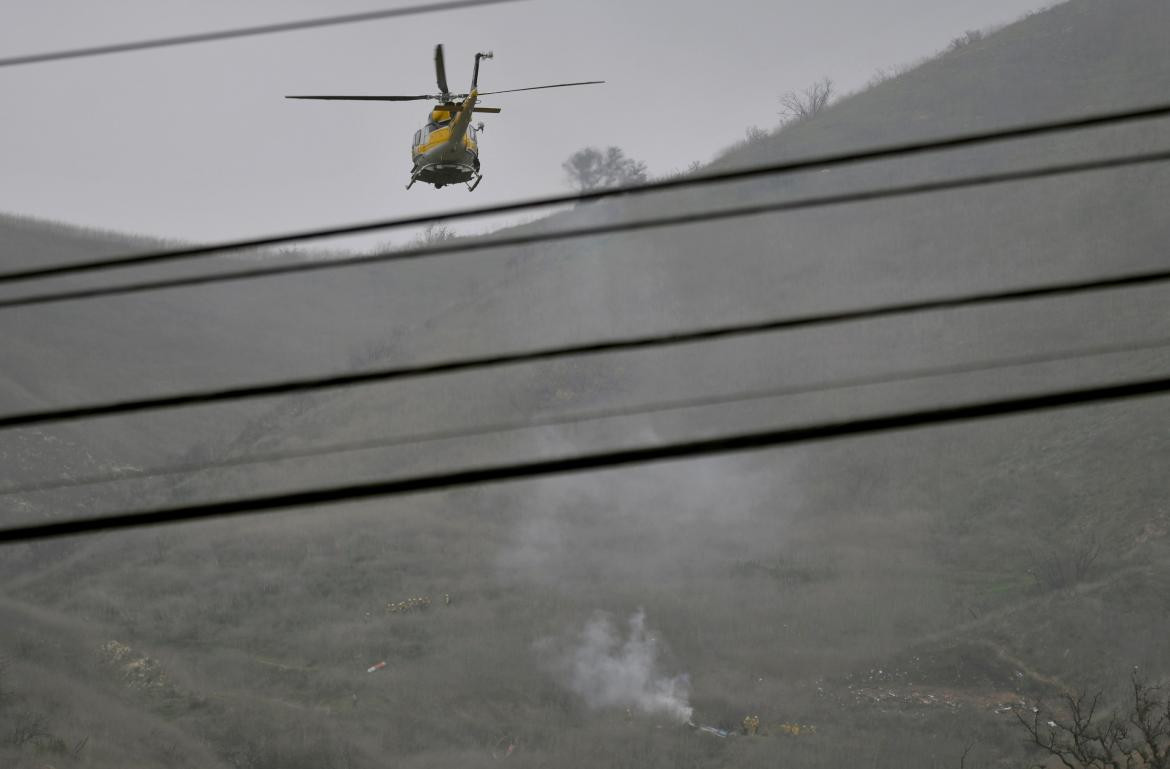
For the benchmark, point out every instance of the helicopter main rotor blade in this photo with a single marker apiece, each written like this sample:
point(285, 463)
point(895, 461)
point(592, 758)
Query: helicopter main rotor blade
point(441, 70)
point(459, 108)
point(542, 87)
point(367, 98)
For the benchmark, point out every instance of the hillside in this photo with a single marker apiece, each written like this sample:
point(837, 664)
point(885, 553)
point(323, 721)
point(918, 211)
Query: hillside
point(900, 593)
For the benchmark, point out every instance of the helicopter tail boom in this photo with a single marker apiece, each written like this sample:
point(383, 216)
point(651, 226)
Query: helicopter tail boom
point(462, 119)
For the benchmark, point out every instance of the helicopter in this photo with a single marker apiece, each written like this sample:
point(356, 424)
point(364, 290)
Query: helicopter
point(446, 150)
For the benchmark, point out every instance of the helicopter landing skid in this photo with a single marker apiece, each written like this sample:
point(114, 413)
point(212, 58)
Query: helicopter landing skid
point(413, 179)
point(473, 184)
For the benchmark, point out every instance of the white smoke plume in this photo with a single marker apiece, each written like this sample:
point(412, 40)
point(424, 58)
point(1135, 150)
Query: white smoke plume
point(607, 670)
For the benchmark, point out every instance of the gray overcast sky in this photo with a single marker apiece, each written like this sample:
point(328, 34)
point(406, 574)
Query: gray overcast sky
point(197, 142)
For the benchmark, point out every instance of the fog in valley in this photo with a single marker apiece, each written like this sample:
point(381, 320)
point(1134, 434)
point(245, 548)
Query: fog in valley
point(955, 595)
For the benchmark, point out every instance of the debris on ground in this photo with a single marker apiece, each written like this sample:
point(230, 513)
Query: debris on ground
point(998, 702)
point(505, 747)
point(710, 730)
point(376, 667)
point(410, 604)
point(751, 728)
point(138, 671)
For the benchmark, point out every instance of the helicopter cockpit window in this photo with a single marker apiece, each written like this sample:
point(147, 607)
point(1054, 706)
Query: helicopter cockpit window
point(418, 137)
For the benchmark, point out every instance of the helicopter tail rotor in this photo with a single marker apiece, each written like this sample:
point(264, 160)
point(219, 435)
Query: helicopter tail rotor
point(475, 75)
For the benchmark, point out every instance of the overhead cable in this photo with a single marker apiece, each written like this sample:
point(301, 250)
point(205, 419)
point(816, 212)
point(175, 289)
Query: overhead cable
point(685, 182)
point(644, 342)
point(675, 220)
point(583, 417)
point(707, 447)
point(263, 29)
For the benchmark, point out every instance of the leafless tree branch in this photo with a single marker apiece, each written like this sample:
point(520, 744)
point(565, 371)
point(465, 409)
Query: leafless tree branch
point(802, 105)
point(1081, 736)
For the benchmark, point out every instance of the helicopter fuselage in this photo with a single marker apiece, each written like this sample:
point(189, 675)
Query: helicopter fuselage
point(446, 150)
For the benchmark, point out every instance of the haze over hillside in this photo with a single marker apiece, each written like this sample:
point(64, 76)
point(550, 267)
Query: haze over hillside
point(900, 594)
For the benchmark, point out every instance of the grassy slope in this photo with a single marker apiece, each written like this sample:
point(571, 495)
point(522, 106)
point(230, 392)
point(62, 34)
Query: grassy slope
point(804, 585)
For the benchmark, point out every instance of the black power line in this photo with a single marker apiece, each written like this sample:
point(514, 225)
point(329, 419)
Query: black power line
point(700, 180)
point(679, 220)
point(205, 397)
point(596, 415)
point(264, 29)
point(728, 444)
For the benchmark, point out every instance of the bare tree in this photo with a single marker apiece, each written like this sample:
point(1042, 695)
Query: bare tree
point(1082, 736)
point(802, 105)
point(967, 748)
point(433, 235)
point(693, 168)
point(591, 169)
point(1067, 559)
point(969, 37)
point(24, 728)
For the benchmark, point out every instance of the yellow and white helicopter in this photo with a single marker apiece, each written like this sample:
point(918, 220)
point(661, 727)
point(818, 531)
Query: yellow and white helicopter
point(446, 149)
